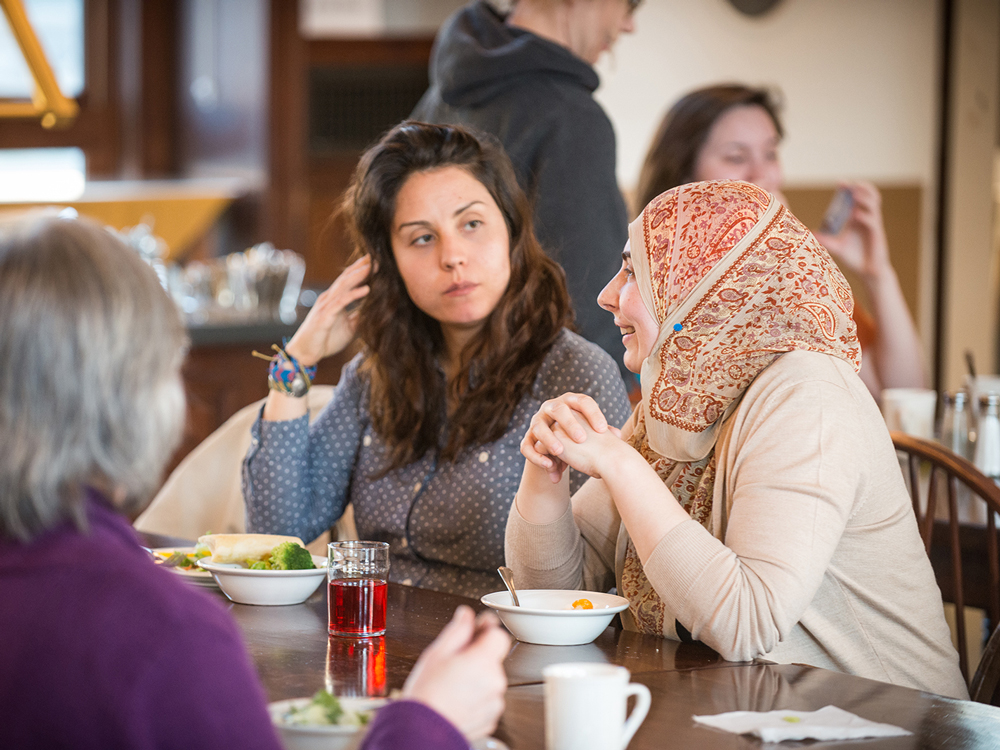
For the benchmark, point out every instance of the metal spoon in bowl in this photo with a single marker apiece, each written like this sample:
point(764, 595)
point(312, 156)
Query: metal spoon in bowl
point(508, 580)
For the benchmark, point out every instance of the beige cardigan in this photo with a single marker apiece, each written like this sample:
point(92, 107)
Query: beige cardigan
point(814, 556)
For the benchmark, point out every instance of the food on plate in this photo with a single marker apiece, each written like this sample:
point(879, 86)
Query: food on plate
point(248, 549)
point(583, 604)
point(182, 559)
point(325, 709)
point(286, 556)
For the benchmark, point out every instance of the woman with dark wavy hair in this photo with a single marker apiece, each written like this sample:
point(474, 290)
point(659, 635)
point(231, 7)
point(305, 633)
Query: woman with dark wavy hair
point(464, 321)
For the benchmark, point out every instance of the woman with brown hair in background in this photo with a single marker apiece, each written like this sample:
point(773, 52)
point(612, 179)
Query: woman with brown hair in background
point(733, 132)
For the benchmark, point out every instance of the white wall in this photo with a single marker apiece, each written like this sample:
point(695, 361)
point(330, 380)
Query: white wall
point(858, 76)
point(972, 272)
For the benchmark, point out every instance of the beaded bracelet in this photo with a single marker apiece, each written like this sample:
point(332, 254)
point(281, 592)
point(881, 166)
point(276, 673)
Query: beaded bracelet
point(286, 375)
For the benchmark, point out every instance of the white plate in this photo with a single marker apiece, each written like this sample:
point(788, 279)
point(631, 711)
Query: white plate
point(199, 577)
point(547, 617)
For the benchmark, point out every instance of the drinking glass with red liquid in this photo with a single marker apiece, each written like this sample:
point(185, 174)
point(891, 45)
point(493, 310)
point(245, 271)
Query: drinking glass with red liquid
point(357, 576)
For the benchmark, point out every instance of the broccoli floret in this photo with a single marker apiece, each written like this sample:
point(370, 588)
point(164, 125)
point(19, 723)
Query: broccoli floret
point(324, 700)
point(291, 556)
point(258, 565)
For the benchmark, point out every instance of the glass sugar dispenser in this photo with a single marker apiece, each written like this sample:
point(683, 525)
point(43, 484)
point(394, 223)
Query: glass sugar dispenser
point(956, 430)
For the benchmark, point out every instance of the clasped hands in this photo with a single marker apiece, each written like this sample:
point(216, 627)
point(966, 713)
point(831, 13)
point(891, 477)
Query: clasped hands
point(571, 431)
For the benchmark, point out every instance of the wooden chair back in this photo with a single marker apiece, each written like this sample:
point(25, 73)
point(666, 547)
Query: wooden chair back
point(985, 686)
point(964, 555)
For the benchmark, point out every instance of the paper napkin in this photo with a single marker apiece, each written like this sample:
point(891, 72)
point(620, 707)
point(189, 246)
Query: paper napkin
point(829, 723)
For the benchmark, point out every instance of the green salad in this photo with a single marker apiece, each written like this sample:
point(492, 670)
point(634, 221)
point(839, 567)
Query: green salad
point(325, 709)
point(183, 560)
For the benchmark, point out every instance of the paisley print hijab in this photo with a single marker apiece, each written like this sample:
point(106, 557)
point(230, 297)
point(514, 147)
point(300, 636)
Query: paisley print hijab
point(733, 280)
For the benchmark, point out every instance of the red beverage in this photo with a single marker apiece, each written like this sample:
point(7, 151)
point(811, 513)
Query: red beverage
point(357, 606)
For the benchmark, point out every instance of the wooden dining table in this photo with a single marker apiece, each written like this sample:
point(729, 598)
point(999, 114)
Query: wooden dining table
point(295, 657)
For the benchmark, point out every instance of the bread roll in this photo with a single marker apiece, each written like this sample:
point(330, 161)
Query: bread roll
point(237, 548)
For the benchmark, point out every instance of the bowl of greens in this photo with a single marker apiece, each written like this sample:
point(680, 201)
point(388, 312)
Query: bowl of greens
point(323, 722)
point(255, 571)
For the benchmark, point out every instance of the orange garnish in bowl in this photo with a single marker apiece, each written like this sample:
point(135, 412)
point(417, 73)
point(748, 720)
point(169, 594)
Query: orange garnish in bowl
point(583, 604)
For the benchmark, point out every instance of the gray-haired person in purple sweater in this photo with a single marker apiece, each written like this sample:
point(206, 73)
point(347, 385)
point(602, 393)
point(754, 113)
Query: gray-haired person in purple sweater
point(100, 648)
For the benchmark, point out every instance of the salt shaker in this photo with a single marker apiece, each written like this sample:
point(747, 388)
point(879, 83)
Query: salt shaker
point(988, 436)
point(955, 424)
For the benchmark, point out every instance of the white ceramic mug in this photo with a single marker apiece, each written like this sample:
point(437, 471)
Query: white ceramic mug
point(910, 410)
point(585, 705)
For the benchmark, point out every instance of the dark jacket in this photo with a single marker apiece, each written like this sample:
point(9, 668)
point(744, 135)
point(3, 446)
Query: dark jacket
point(537, 97)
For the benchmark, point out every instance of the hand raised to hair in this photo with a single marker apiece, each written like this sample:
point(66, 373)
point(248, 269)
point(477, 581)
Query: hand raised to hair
point(861, 246)
point(329, 327)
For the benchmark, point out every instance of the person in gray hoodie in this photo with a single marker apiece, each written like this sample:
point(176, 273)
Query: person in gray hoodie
point(528, 78)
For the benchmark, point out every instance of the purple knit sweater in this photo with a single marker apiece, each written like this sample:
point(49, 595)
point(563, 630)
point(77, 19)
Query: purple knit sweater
point(102, 650)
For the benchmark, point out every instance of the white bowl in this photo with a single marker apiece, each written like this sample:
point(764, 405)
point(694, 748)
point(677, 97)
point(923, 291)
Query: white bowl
point(319, 736)
point(266, 587)
point(546, 616)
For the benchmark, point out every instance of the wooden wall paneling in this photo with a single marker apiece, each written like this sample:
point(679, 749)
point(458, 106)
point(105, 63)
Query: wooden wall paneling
point(158, 155)
point(327, 247)
point(93, 131)
point(287, 215)
point(129, 45)
point(223, 85)
point(99, 100)
point(347, 52)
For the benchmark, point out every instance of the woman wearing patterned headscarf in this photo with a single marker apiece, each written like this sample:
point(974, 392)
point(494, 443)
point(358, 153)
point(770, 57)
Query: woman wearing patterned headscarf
point(754, 500)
